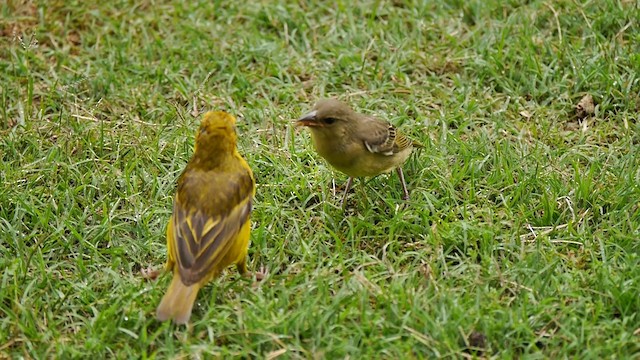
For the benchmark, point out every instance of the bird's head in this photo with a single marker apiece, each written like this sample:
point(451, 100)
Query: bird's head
point(328, 115)
point(217, 132)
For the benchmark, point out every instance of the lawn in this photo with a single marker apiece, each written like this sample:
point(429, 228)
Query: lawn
point(521, 237)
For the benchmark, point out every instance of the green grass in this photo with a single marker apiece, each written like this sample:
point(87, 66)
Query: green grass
point(521, 238)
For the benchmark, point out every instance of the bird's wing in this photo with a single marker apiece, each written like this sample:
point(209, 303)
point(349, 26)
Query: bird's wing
point(383, 138)
point(202, 238)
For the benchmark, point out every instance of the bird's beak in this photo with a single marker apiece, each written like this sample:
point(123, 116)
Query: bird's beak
point(309, 119)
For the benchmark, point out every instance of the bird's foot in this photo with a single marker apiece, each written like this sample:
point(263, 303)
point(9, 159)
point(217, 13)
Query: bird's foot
point(261, 274)
point(150, 273)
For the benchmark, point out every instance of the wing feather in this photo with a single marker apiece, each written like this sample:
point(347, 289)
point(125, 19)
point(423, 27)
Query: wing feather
point(198, 257)
point(383, 138)
point(202, 238)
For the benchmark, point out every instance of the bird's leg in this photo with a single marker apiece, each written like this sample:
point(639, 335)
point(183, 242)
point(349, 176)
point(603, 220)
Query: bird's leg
point(404, 185)
point(346, 191)
point(244, 271)
point(242, 268)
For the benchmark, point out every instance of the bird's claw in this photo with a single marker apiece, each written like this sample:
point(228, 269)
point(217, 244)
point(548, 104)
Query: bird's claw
point(150, 273)
point(261, 274)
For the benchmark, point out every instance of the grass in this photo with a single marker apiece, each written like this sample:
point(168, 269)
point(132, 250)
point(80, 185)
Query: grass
point(520, 238)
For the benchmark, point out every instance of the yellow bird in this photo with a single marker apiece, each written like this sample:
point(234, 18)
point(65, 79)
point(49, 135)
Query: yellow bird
point(209, 228)
point(356, 144)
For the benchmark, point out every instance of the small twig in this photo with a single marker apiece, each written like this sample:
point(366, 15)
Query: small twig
point(275, 354)
point(547, 230)
point(555, 15)
point(418, 336)
point(533, 232)
point(567, 199)
point(584, 16)
point(13, 341)
point(513, 283)
point(85, 118)
point(368, 284)
point(566, 242)
point(624, 28)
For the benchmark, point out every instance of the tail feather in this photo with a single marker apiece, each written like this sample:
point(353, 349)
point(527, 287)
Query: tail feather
point(178, 301)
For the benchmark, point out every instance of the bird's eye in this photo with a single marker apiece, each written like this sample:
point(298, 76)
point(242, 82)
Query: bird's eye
point(329, 121)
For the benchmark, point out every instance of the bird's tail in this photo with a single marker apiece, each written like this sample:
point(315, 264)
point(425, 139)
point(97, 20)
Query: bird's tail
point(177, 303)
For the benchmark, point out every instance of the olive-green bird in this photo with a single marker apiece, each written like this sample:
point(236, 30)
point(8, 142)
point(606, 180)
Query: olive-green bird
point(356, 144)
